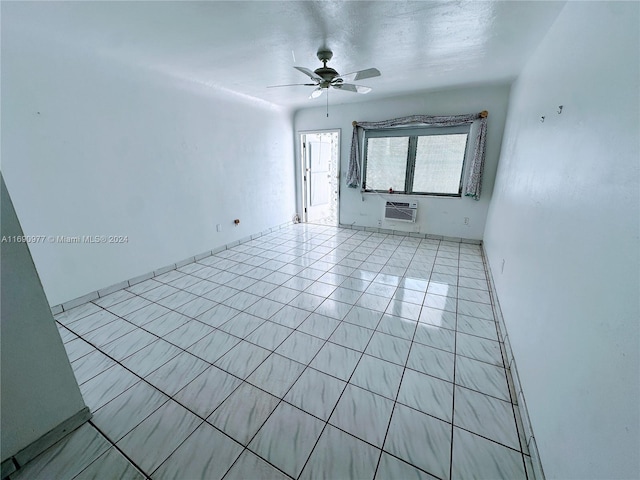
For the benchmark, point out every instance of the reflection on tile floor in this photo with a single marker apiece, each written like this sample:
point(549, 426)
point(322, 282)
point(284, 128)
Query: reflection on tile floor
point(311, 352)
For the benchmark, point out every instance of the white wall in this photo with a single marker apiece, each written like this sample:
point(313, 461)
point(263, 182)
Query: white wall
point(92, 146)
point(436, 215)
point(39, 390)
point(565, 218)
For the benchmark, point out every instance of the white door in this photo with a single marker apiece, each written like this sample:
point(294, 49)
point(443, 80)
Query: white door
point(320, 163)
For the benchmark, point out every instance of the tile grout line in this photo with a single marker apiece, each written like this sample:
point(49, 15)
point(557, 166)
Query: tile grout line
point(113, 445)
point(281, 399)
point(455, 356)
point(171, 398)
point(264, 320)
point(172, 310)
point(192, 318)
point(326, 422)
point(393, 409)
point(348, 382)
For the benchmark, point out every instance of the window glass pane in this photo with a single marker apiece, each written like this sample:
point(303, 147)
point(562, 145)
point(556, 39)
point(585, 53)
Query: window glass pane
point(386, 163)
point(439, 161)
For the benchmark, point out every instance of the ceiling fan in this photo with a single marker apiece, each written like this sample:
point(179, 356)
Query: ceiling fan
point(325, 77)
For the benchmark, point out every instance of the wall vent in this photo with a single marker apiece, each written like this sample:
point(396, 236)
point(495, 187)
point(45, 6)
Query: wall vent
point(401, 211)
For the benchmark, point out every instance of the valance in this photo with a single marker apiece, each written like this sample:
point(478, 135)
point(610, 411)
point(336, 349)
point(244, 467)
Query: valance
point(474, 180)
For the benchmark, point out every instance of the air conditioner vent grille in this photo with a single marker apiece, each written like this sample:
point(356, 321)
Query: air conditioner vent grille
point(401, 211)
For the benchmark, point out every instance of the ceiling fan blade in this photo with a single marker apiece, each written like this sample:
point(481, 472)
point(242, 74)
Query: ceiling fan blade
point(293, 85)
point(349, 87)
point(360, 75)
point(316, 93)
point(312, 75)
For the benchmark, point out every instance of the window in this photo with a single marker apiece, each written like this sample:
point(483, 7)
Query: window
point(417, 161)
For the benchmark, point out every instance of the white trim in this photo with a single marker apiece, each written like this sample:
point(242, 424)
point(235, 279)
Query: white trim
point(57, 309)
point(514, 379)
point(301, 162)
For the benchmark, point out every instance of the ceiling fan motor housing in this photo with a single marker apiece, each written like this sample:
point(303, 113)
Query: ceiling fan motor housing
point(327, 73)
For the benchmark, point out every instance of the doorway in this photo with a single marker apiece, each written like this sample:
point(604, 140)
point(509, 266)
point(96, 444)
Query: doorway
point(320, 152)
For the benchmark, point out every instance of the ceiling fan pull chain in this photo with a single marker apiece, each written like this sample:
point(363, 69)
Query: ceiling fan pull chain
point(327, 103)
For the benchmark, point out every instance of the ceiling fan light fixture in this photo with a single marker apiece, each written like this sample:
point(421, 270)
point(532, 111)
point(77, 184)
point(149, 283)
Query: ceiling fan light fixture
point(349, 87)
point(316, 93)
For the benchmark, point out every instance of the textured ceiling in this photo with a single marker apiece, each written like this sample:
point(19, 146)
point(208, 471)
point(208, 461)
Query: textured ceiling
point(246, 46)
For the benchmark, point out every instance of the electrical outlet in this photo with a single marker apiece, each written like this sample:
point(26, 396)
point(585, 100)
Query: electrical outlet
point(379, 223)
point(219, 227)
point(466, 220)
point(502, 268)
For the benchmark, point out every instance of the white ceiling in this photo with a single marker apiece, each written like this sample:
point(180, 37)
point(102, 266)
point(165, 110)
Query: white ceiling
point(246, 46)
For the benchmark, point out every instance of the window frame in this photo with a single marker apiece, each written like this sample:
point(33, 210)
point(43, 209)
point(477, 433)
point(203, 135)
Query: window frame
point(413, 132)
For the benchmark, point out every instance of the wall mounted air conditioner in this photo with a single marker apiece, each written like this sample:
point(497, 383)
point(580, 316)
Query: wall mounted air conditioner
point(400, 211)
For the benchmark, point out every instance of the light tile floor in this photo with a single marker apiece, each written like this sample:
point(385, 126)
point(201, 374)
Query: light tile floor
point(313, 352)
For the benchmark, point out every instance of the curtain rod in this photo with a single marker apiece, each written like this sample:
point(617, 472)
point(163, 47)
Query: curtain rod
point(483, 114)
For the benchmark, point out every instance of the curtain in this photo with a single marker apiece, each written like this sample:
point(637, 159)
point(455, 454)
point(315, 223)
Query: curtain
point(474, 180)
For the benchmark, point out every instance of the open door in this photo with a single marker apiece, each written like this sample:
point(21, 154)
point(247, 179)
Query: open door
point(320, 176)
